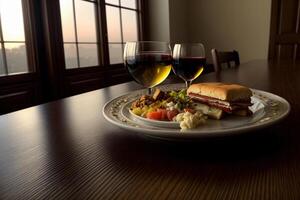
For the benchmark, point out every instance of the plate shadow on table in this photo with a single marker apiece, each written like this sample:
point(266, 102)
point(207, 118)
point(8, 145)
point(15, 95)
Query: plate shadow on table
point(263, 148)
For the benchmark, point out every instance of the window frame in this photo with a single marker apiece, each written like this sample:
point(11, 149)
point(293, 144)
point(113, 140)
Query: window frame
point(102, 36)
point(30, 42)
point(110, 73)
point(48, 79)
point(77, 43)
point(3, 51)
point(138, 11)
point(33, 30)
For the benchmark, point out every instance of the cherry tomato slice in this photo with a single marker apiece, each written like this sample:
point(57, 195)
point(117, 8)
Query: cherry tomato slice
point(156, 115)
point(164, 113)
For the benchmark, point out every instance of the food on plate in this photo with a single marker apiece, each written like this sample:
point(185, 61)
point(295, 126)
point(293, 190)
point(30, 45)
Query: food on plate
point(222, 98)
point(169, 106)
point(211, 112)
point(162, 105)
point(158, 94)
point(193, 106)
point(190, 120)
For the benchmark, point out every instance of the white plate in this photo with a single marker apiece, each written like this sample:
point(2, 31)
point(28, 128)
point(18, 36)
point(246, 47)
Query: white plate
point(267, 109)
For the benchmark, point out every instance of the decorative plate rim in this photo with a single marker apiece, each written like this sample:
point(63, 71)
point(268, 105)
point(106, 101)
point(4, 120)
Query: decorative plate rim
point(197, 133)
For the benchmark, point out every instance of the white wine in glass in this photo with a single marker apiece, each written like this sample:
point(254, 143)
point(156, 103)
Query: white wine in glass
point(148, 62)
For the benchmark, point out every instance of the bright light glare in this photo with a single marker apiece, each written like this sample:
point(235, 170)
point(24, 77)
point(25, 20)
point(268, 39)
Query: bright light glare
point(129, 19)
point(67, 16)
point(86, 24)
point(113, 24)
point(12, 20)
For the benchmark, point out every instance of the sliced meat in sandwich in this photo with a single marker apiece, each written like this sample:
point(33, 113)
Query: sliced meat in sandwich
point(229, 98)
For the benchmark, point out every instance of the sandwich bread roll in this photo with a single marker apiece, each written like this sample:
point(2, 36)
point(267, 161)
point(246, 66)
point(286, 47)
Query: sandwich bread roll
point(221, 91)
point(221, 98)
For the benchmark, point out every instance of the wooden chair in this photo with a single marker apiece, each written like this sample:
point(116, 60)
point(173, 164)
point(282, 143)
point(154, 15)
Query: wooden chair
point(221, 57)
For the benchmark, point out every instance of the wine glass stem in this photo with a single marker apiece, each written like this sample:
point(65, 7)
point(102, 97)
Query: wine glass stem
point(188, 83)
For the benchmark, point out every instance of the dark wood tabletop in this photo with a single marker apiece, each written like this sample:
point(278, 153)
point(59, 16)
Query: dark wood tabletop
point(66, 149)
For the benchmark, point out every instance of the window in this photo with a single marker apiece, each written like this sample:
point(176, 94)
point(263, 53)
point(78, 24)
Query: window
point(79, 33)
point(13, 54)
point(36, 47)
point(122, 26)
point(79, 24)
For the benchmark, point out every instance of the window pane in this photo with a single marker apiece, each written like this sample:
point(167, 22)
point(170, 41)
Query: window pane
point(113, 24)
point(88, 55)
point(2, 71)
point(129, 20)
point(86, 22)
point(12, 20)
point(115, 2)
point(67, 20)
point(115, 53)
point(70, 56)
point(129, 3)
point(16, 57)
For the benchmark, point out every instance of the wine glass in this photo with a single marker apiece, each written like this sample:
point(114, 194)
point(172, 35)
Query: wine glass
point(148, 62)
point(188, 61)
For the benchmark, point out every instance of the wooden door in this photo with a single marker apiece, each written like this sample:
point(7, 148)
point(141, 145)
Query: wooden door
point(284, 32)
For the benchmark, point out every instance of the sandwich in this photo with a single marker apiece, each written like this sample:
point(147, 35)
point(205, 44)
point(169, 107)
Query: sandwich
point(218, 99)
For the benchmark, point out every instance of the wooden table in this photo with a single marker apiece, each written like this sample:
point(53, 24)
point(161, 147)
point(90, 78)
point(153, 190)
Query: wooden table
point(65, 149)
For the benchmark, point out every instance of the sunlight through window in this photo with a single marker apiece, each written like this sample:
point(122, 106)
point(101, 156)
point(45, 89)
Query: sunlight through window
point(13, 54)
point(122, 26)
point(78, 19)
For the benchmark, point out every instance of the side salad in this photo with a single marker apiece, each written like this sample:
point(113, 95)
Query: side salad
point(169, 106)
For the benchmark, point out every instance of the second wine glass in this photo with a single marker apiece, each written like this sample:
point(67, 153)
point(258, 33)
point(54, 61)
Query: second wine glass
point(188, 61)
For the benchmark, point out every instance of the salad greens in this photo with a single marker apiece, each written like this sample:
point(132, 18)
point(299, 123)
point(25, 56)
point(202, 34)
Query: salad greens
point(181, 98)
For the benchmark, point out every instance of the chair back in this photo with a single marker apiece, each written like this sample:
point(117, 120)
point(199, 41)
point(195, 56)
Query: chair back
point(224, 57)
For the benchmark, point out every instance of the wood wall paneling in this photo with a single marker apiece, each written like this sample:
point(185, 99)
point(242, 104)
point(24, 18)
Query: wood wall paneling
point(288, 16)
point(284, 31)
point(285, 51)
point(17, 96)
